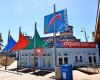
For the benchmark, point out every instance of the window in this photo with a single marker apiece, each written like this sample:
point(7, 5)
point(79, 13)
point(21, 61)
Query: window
point(22, 54)
point(36, 61)
point(49, 62)
point(43, 54)
point(44, 62)
point(80, 58)
point(59, 54)
point(89, 53)
point(22, 58)
point(66, 36)
point(65, 54)
point(48, 54)
point(76, 59)
point(31, 54)
point(60, 61)
point(93, 53)
point(94, 58)
point(90, 59)
point(65, 60)
point(25, 54)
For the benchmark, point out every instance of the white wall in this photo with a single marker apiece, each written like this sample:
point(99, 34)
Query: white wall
point(27, 61)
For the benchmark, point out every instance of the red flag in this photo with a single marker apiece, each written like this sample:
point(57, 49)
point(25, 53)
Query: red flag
point(22, 43)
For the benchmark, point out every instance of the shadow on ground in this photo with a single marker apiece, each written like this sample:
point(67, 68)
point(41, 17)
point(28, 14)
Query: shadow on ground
point(42, 72)
point(15, 69)
point(22, 70)
point(37, 71)
point(11, 72)
point(89, 72)
point(25, 70)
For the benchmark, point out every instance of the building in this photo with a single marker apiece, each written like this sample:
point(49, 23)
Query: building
point(65, 36)
point(69, 51)
point(75, 56)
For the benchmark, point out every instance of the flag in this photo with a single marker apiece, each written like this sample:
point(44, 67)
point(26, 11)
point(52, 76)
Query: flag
point(10, 45)
point(22, 43)
point(38, 42)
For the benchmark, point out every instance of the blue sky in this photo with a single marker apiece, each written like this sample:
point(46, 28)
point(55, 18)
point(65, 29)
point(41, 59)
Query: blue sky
point(24, 13)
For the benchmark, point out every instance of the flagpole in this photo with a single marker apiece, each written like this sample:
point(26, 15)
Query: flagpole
point(55, 36)
point(6, 61)
point(34, 48)
point(7, 51)
point(18, 49)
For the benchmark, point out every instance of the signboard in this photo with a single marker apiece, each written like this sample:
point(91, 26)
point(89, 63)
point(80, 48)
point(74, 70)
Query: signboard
point(66, 44)
point(60, 21)
point(39, 51)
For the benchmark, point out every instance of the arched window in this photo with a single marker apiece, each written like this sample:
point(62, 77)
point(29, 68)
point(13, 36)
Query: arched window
point(93, 53)
point(60, 61)
point(22, 54)
point(48, 54)
point(81, 59)
point(65, 60)
point(44, 55)
point(94, 58)
point(90, 59)
point(65, 54)
point(59, 54)
point(25, 54)
point(31, 54)
point(76, 59)
point(89, 53)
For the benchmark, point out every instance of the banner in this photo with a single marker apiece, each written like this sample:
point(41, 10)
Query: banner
point(66, 44)
point(60, 21)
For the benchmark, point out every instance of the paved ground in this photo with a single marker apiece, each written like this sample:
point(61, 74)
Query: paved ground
point(11, 74)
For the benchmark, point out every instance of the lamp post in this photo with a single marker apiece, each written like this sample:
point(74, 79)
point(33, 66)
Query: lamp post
point(85, 34)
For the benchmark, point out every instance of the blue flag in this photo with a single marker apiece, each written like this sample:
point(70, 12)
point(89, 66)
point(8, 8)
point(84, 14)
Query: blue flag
point(10, 45)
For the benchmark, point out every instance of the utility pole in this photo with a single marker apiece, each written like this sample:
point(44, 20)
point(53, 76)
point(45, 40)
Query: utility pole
point(55, 36)
point(7, 52)
point(34, 48)
point(85, 34)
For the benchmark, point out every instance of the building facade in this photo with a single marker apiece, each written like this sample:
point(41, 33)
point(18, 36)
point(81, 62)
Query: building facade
point(69, 51)
point(77, 57)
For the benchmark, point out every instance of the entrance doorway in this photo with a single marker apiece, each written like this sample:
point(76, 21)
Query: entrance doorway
point(62, 60)
point(92, 60)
